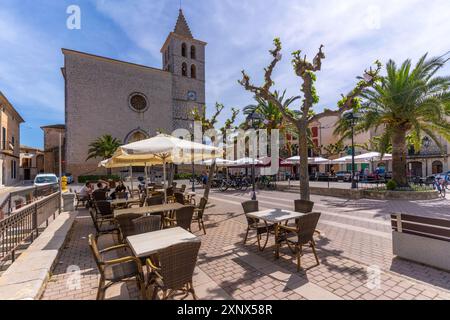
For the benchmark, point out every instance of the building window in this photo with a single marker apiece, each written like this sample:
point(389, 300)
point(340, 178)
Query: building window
point(3, 138)
point(437, 167)
point(138, 102)
point(315, 131)
point(183, 50)
point(193, 54)
point(13, 141)
point(184, 69)
point(193, 72)
point(136, 135)
point(13, 169)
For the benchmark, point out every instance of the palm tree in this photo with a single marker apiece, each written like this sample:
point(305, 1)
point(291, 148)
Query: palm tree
point(273, 118)
point(407, 101)
point(103, 147)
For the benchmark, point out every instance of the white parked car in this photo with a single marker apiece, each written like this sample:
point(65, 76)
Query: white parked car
point(44, 179)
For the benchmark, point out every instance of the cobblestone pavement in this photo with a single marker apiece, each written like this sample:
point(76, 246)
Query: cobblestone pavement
point(355, 242)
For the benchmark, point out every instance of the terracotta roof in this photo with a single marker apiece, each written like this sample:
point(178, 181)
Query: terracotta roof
point(182, 27)
point(54, 126)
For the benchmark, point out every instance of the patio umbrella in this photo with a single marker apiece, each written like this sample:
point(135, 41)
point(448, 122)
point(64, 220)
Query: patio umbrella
point(314, 160)
point(246, 161)
point(219, 162)
point(126, 162)
point(166, 149)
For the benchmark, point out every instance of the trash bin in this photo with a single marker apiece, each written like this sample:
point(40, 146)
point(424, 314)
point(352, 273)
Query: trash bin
point(68, 201)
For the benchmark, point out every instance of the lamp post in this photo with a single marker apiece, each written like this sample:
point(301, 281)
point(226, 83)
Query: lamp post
point(426, 144)
point(252, 120)
point(351, 116)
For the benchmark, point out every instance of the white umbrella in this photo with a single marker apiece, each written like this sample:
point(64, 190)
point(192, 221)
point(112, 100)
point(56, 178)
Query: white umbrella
point(342, 160)
point(246, 161)
point(373, 156)
point(296, 160)
point(166, 149)
point(219, 162)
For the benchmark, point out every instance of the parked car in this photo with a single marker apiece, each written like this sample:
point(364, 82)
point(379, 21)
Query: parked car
point(44, 179)
point(69, 177)
point(322, 176)
point(343, 176)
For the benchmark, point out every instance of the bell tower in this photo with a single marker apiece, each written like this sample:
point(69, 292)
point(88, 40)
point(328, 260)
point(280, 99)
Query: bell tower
point(184, 57)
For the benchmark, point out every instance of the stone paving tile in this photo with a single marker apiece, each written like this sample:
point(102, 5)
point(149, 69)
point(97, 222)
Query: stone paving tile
point(344, 254)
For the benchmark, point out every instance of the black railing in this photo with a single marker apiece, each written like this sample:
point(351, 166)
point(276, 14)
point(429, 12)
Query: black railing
point(24, 223)
point(17, 199)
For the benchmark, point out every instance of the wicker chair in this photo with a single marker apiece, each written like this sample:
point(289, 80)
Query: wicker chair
point(179, 197)
point(173, 270)
point(79, 200)
point(99, 195)
point(199, 213)
point(183, 218)
point(147, 224)
point(104, 208)
point(169, 193)
point(304, 206)
point(301, 235)
point(156, 200)
point(126, 223)
point(254, 224)
point(105, 226)
point(124, 268)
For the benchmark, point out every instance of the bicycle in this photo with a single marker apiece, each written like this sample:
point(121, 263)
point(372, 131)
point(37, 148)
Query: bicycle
point(440, 186)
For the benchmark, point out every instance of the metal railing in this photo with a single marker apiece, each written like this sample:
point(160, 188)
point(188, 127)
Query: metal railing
point(24, 223)
point(17, 199)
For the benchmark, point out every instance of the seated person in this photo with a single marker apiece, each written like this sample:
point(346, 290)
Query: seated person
point(85, 192)
point(101, 191)
point(120, 188)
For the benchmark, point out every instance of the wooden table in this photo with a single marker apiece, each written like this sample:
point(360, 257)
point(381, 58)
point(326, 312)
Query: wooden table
point(276, 217)
point(123, 202)
point(150, 209)
point(145, 244)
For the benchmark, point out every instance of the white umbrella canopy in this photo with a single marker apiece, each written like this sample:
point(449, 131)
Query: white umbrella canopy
point(296, 160)
point(373, 156)
point(166, 149)
point(342, 160)
point(246, 161)
point(219, 162)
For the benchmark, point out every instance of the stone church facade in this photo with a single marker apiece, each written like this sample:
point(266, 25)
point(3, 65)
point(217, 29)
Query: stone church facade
point(129, 101)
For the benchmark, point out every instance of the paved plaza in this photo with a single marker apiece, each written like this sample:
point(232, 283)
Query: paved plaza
point(354, 247)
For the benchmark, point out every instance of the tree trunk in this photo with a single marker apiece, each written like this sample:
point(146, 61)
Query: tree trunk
point(399, 157)
point(210, 177)
point(303, 153)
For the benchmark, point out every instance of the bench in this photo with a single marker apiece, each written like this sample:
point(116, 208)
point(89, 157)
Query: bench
point(421, 239)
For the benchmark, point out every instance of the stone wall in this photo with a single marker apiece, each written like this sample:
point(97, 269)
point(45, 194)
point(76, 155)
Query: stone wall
point(97, 103)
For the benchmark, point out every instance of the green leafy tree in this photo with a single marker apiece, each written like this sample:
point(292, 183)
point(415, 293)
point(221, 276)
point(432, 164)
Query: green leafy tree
point(103, 147)
point(271, 115)
point(406, 104)
point(306, 71)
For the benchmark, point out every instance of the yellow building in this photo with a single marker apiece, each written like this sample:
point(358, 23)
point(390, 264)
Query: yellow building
point(10, 121)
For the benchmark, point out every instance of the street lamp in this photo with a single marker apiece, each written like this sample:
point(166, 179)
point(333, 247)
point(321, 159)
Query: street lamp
point(351, 116)
point(426, 144)
point(253, 119)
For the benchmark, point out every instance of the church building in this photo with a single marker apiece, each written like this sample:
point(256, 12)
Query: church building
point(131, 102)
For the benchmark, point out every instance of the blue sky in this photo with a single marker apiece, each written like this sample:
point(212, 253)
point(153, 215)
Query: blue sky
point(239, 33)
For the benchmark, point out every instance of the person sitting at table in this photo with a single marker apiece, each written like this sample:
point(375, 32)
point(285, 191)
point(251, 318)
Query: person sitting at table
point(101, 191)
point(85, 192)
point(120, 188)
